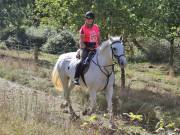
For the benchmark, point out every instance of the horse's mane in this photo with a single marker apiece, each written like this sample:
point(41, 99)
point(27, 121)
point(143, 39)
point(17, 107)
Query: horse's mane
point(108, 42)
point(103, 45)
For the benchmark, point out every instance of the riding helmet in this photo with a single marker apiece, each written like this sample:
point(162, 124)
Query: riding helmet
point(89, 15)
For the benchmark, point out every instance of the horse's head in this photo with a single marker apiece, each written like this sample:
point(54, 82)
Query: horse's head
point(118, 52)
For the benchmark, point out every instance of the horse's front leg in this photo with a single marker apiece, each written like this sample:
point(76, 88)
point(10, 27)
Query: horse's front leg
point(109, 94)
point(92, 99)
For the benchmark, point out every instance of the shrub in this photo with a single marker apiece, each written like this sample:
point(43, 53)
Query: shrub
point(36, 35)
point(15, 38)
point(61, 42)
point(3, 46)
point(156, 50)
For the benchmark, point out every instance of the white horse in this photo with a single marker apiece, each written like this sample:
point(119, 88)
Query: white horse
point(99, 76)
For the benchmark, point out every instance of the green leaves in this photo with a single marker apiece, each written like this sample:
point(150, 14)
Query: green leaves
point(134, 117)
point(14, 13)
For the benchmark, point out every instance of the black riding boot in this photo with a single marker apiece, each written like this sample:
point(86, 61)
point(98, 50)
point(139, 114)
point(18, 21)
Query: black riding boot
point(79, 67)
point(77, 73)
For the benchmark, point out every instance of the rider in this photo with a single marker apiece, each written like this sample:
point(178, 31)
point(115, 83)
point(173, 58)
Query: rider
point(89, 41)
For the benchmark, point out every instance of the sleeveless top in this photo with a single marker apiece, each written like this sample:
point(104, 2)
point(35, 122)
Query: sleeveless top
point(91, 36)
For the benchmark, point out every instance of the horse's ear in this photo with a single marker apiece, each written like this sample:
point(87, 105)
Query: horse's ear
point(121, 38)
point(111, 39)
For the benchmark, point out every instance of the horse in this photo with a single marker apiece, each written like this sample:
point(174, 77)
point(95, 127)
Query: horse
point(99, 76)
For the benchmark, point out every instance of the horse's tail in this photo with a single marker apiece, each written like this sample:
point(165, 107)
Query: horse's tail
point(56, 78)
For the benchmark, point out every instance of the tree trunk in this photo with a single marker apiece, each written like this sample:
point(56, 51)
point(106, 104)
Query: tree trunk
point(36, 52)
point(122, 78)
point(171, 59)
point(123, 92)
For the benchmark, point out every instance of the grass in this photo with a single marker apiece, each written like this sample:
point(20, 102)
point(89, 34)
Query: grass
point(12, 124)
point(24, 71)
point(148, 85)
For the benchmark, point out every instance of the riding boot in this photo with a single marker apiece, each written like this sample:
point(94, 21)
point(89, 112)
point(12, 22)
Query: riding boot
point(77, 74)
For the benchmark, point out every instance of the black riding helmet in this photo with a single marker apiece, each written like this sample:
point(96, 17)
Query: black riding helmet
point(89, 15)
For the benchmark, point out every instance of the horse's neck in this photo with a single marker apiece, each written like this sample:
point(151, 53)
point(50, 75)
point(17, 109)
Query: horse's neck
point(104, 56)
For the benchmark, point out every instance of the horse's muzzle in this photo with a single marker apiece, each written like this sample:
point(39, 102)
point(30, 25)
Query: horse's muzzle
point(122, 61)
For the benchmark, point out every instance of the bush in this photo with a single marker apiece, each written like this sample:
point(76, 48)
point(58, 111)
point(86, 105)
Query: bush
point(156, 50)
point(12, 42)
point(36, 36)
point(3, 46)
point(15, 38)
point(138, 56)
point(60, 43)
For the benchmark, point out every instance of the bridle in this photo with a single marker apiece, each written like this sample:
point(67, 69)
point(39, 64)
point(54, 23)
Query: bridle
point(106, 72)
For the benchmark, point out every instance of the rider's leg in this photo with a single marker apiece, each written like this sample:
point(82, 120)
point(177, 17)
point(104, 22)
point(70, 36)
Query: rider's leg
point(89, 57)
point(84, 54)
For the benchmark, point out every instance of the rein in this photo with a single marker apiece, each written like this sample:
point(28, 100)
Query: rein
point(107, 74)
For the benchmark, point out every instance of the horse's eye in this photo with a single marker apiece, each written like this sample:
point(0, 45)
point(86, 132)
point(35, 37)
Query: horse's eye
point(114, 49)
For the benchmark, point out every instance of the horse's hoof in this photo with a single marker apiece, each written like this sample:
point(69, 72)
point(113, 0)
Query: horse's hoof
point(74, 117)
point(90, 113)
point(64, 104)
point(85, 112)
point(65, 111)
point(112, 126)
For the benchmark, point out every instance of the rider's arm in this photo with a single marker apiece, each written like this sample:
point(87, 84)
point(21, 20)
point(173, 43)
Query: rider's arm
point(99, 38)
point(81, 38)
point(98, 35)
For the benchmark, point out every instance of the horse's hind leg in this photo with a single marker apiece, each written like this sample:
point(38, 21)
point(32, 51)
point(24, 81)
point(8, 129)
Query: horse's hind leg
point(68, 86)
point(92, 99)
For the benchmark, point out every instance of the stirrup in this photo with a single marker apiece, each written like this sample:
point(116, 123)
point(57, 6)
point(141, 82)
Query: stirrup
point(76, 81)
point(86, 61)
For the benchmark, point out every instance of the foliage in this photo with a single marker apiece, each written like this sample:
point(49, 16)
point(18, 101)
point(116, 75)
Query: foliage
point(134, 117)
point(3, 46)
point(170, 125)
point(70, 13)
point(61, 42)
point(156, 50)
point(39, 35)
point(15, 13)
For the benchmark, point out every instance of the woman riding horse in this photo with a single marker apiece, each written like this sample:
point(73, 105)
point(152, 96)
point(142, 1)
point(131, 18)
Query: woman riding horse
point(89, 41)
point(100, 75)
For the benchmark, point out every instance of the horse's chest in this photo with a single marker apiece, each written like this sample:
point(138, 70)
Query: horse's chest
point(95, 76)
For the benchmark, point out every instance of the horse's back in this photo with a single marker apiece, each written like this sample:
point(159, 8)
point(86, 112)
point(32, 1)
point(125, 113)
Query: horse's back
point(67, 63)
point(67, 56)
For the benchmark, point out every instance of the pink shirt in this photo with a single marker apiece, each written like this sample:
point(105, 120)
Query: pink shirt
point(91, 35)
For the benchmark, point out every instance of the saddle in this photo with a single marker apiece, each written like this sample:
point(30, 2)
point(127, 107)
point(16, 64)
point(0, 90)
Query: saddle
point(86, 64)
point(87, 61)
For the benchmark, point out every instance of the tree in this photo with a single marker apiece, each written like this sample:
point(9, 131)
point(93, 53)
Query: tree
point(164, 24)
point(14, 13)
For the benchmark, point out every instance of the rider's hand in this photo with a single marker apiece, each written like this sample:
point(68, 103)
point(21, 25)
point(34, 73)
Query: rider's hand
point(78, 56)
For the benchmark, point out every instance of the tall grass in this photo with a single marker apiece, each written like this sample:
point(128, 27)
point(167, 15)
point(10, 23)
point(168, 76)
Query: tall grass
point(147, 85)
